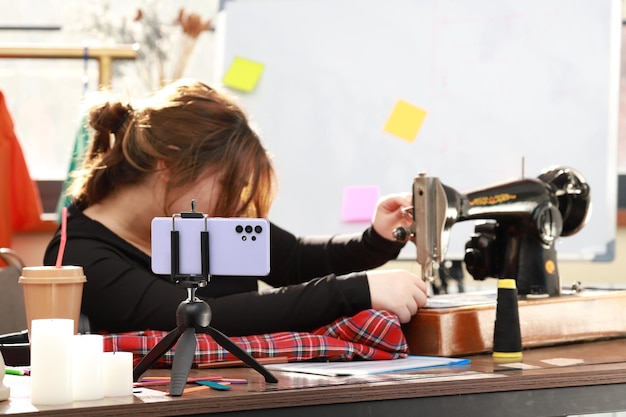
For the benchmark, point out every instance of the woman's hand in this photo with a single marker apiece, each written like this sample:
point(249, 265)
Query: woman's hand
point(397, 291)
point(390, 215)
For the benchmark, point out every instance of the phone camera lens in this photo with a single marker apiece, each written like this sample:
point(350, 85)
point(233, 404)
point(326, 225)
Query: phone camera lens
point(248, 229)
point(239, 229)
point(258, 229)
point(253, 238)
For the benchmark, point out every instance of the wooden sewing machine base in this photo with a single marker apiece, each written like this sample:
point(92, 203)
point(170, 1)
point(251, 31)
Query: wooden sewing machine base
point(461, 324)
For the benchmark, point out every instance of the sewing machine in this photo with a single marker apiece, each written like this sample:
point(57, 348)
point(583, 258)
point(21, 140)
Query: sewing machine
point(522, 221)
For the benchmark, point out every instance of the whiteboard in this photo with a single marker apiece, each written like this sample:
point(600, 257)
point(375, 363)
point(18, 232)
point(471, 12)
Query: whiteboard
point(502, 81)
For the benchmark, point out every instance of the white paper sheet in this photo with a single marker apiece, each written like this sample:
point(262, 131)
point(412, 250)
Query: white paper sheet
point(411, 362)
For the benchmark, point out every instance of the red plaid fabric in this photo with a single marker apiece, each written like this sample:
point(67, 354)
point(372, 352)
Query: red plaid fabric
point(370, 334)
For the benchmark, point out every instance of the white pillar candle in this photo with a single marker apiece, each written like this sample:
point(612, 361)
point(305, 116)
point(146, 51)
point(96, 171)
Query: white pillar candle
point(50, 363)
point(118, 374)
point(87, 367)
point(5, 391)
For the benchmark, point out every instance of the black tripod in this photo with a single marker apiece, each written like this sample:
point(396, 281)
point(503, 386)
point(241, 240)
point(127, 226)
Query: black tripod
point(191, 314)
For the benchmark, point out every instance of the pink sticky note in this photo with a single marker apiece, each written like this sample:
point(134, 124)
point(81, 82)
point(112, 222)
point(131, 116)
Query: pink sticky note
point(359, 203)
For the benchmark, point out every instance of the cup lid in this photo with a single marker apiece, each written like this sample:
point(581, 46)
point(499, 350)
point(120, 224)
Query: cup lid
point(46, 274)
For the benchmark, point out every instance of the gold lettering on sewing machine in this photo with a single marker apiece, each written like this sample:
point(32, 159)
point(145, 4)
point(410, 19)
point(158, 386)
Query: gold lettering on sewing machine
point(492, 199)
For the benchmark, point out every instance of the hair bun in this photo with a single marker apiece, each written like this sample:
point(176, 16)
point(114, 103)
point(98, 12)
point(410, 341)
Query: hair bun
point(110, 116)
point(122, 119)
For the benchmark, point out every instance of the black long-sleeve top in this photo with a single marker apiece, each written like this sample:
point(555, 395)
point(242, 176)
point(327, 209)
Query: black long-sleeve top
point(315, 280)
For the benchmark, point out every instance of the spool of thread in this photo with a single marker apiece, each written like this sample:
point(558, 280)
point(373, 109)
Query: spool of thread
point(507, 337)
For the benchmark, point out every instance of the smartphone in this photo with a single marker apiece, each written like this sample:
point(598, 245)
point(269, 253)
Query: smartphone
point(237, 246)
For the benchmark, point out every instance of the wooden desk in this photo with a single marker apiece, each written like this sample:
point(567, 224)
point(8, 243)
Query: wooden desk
point(569, 379)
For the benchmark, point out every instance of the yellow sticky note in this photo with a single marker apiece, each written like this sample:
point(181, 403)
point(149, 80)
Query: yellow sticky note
point(405, 120)
point(243, 74)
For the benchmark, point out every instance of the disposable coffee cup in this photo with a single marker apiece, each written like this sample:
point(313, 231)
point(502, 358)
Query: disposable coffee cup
point(52, 292)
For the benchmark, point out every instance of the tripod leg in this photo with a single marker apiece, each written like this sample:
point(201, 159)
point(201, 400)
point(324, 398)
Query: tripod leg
point(183, 359)
point(230, 346)
point(155, 353)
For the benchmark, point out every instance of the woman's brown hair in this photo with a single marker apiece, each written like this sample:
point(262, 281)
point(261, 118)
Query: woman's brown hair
point(188, 126)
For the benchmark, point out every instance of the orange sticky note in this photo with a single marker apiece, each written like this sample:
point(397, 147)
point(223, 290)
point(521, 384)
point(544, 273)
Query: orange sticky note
point(243, 74)
point(359, 203)
point(405, 120)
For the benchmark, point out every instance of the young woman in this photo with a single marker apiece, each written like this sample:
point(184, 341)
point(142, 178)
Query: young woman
point(187, 142)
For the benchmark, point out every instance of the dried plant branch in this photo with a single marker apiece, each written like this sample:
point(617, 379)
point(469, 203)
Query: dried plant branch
point(162, 44)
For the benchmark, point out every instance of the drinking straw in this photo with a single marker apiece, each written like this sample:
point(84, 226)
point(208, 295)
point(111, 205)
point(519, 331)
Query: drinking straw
point(63, 237)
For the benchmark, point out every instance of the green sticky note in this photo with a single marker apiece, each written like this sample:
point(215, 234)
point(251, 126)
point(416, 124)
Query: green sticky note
point(405, 120)
point(243, 74)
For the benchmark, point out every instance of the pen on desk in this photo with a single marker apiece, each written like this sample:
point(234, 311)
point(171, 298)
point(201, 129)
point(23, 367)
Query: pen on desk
point(233, 380)
point(14, 371)
point(148, 381)
point(190, 379)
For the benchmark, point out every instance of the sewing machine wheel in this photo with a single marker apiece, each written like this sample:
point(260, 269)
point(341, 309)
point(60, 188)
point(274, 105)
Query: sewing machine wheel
point(573, 194)
point(485, 251)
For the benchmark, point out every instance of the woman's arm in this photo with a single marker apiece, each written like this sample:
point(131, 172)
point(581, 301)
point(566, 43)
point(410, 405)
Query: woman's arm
point(121, 294)
point(301, 307)
point(298, 259)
